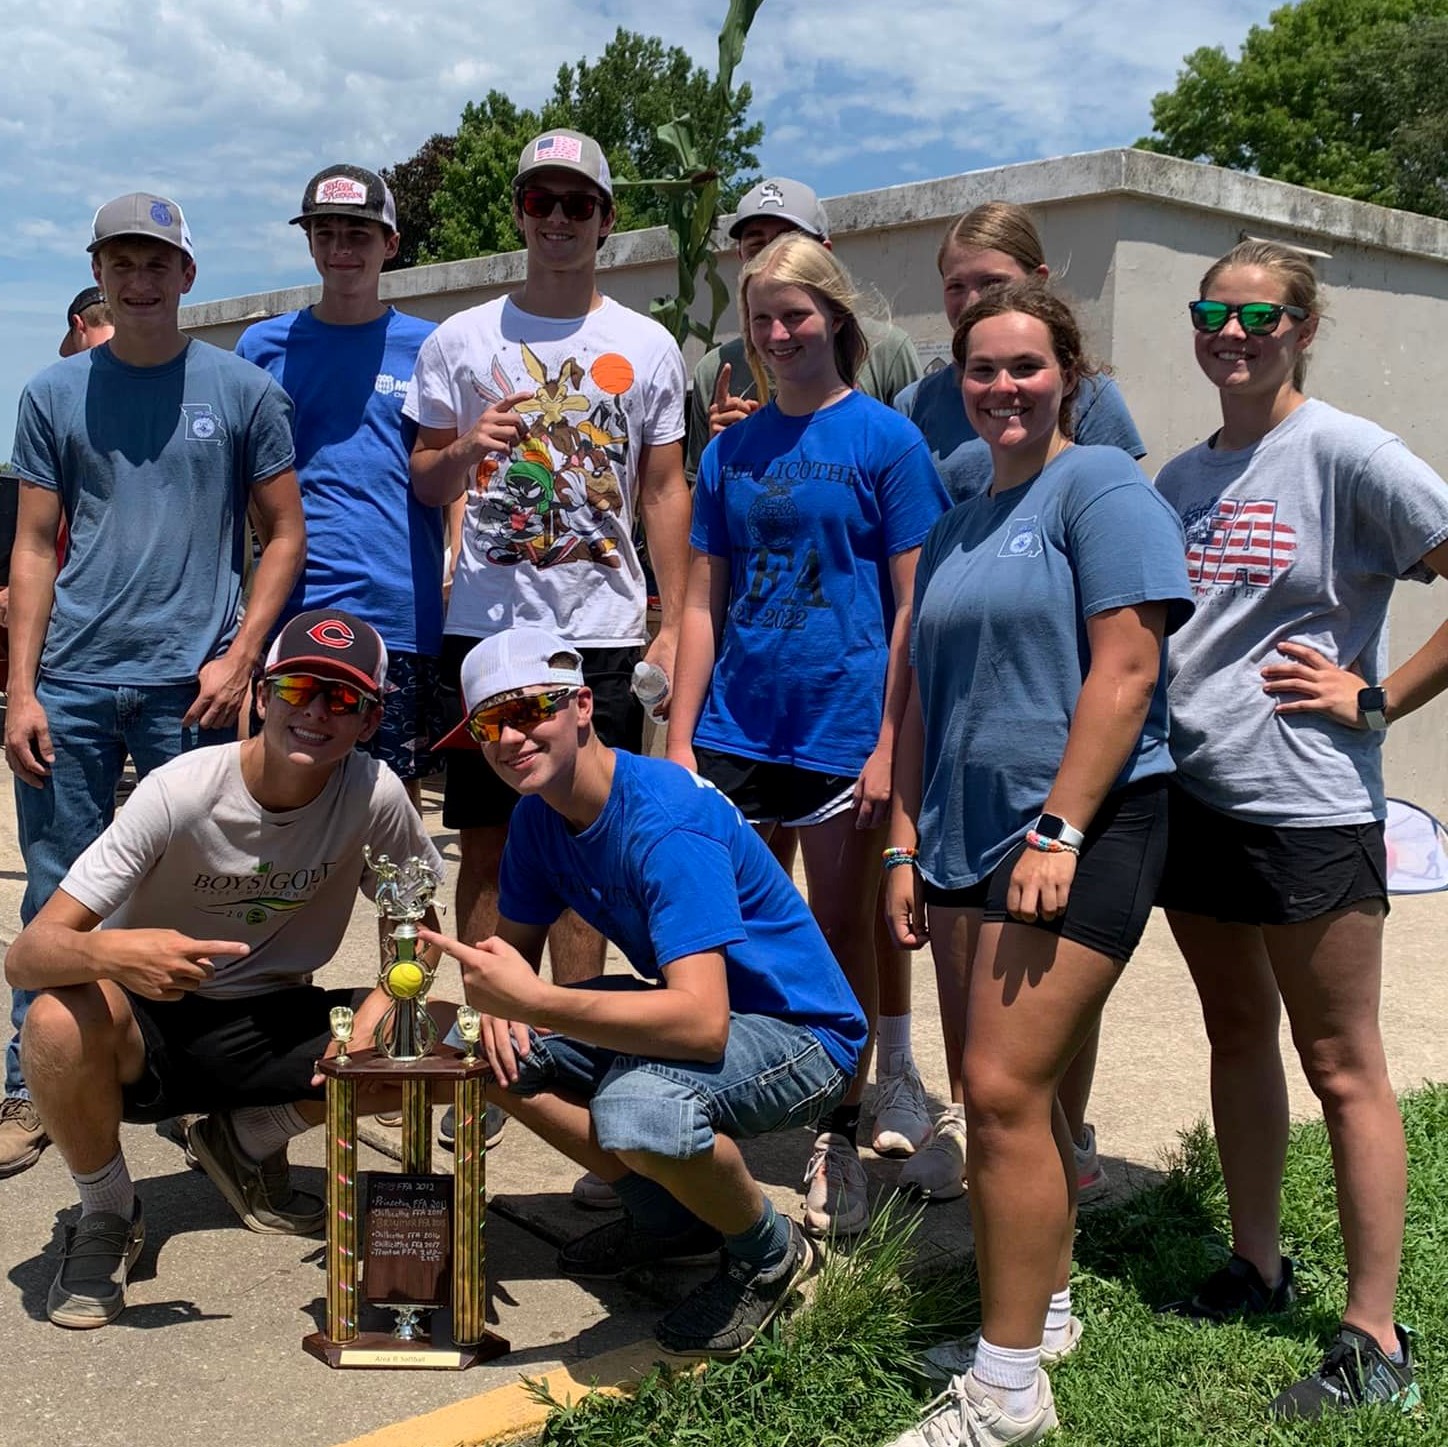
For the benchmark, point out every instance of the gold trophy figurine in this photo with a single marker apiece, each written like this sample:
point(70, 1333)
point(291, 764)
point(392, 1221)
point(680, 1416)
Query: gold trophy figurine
point(404, 894)
point(470, 1027)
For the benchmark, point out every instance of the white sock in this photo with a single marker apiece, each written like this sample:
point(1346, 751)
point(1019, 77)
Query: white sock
point(108, 1189)
point(892, 1045)
point(262, 1130)
point(1009, 1373)
point(1058, 1321)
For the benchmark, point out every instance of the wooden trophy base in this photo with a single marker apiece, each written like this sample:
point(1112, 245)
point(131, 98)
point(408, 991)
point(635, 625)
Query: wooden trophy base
point(381, 1351)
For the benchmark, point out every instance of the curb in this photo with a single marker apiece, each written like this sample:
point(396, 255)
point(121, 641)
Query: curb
point(510, 1413)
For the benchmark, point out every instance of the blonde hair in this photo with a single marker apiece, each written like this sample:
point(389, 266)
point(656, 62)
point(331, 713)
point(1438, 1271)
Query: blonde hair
point(1290, 266)
point(795, 259)
point(996, 226)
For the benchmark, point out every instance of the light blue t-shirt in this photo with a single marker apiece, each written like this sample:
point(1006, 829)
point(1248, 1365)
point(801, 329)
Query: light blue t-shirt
point(935, 406)
point(1003, 590)
point(809, 511)
point(372, 548)
point(670, 869)
point(154, 467)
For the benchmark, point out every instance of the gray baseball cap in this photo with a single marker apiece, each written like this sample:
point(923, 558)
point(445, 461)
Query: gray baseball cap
point(784, 200)
point(566, 151)
point(142, 214)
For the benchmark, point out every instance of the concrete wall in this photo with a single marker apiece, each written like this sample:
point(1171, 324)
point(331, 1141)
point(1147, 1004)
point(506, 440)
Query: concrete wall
point(1128, 235)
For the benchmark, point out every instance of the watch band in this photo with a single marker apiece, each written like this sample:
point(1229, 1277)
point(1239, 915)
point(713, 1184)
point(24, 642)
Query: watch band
point(1053, 826)
point(1372, 705)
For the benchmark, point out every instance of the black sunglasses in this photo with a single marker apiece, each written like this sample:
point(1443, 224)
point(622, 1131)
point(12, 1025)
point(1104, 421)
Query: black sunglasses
point(538, 202)
point(1259, 318)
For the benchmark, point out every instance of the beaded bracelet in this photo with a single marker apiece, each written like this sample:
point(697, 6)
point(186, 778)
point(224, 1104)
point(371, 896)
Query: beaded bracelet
point(895, 856)
point(1048, 846)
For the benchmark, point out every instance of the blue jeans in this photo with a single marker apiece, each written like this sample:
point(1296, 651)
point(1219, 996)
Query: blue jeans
point(773, 1076)
point(93, 727)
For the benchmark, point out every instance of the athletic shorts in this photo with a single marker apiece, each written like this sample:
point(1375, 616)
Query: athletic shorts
point(474, 796)
point(205, 1054)
point(411, 718)
point(1116, 879)
point(776, 793)
point(1241, 872)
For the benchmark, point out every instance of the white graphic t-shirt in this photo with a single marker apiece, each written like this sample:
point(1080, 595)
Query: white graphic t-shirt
point(548, 533)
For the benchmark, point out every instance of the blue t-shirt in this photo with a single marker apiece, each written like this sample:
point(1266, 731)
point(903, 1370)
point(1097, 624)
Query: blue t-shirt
point(1003, 590)
point(669, 869)
point(372, 547)
point(809, 511)
point(935, 406)
point(154, 467)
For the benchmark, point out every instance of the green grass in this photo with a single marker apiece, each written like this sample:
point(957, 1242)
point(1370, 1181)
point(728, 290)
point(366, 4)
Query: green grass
point(838, 1374)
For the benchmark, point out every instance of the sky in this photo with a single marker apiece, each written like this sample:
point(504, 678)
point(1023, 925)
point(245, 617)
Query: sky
point(228, 106)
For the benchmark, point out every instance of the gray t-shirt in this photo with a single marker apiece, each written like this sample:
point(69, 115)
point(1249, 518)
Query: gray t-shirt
point(1299, 538)
point(154, 467)
point(892, 364)
point(193, 851)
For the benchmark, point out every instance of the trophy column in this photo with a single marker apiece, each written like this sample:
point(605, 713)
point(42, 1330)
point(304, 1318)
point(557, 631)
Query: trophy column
point(470, 1205)
point(341, 1209)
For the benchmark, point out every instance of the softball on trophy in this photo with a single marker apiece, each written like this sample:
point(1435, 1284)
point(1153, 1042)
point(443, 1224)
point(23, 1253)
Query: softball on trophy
point(405, 980)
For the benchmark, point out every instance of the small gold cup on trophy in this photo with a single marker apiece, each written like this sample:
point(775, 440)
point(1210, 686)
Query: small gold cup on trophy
point(340, 1019)
point(470, 1027)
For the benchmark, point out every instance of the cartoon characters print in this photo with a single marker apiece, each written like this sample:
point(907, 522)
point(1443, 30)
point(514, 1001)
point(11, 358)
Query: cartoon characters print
point(556, 498)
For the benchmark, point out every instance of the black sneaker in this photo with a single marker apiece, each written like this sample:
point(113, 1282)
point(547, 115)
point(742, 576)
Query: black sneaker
point(494, 1119)
point(621, 1246)
point(1237, 1290)
point(89, 1290)
point(724, 1315)
point(1356, 1372)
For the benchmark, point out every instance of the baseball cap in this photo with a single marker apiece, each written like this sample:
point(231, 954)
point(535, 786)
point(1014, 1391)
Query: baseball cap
point(566, 151)
point(328, 643)
point(83, 301)
point(516, 658)
point(785, 200)
point(141, 214)
point(344, 190)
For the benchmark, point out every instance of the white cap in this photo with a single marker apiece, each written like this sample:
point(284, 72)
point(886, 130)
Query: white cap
point(514, 659)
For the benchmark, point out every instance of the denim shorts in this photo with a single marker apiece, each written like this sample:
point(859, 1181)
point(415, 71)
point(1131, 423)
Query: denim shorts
point(773, 1076)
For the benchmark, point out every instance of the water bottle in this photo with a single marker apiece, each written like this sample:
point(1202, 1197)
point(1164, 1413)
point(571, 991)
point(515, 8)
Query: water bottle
point(651, 687)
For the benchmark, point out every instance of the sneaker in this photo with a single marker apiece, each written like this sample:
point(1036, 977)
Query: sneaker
point(1356, 1372)
point(902, 1119)
point(965, 1415)
point(177, 1129)
point(955, 1358)
point(260, 1192)
point(494, 1119)
point(593, 1193)
point(721, 1317)
point(937, 1173)
point(89, 1290)
point(1090, 1173)
point(620, 1246)
point(389, 1119)
point(1237, 1290)
point(836, 1199)
point(22, 1137)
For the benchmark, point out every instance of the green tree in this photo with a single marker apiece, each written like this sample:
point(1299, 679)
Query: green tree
point(1320, 97)
point(413, 183)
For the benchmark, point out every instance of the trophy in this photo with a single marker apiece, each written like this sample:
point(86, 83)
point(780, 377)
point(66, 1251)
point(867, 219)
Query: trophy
point(423, 1254)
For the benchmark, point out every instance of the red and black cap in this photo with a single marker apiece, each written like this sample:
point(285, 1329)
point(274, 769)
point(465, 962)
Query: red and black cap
point(328, 643)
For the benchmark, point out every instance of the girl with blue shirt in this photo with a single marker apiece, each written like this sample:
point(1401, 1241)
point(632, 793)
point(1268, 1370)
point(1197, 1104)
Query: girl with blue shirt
point(1029, 821)
point(791, 673)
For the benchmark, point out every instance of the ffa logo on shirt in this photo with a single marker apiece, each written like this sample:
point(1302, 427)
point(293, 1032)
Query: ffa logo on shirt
point(201, 424)
point(1022, 539)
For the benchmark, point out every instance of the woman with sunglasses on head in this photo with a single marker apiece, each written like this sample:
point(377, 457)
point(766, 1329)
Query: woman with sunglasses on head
point(1299, 519)
point(1028, 828)
point(791, 677)
point(991, 246)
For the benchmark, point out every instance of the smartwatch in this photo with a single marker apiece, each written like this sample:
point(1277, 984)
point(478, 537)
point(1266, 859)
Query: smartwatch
point(1373, 706)
point(1053, 826)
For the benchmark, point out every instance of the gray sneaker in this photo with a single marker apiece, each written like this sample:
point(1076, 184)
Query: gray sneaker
point(22, 1137)
point(260, 1192)
point(89, 1290)
point(494, 1120)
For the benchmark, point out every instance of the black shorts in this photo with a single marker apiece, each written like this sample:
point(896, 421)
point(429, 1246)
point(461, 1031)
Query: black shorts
point(776, 793)
point(474, 797)
point(205, 1054)
point(1116, 876)
point(1241, 872)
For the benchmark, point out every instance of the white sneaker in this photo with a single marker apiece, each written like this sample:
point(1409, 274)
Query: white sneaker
point(593, 1193)
point(836, 1199)
point(1090, 1173)
point(954, 1358)
point(964, 1415)
point(902, 1119)
point(937, 1171)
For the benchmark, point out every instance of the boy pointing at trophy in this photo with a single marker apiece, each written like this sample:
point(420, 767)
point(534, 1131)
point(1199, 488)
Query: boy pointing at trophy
point(741, 1025)
point(175, 961)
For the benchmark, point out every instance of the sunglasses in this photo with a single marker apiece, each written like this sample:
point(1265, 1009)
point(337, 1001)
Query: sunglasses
point(1258, 318)
point(538, 202)
point(299, 689)
point(487, 722)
